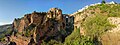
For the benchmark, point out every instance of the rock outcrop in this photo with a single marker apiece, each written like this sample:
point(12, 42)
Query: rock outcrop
point(41, 25)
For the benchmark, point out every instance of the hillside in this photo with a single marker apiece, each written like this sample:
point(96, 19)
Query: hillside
point(95, 24)
point(99, 22)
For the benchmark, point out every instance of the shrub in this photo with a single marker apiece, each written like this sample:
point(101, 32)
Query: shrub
point(76, 39)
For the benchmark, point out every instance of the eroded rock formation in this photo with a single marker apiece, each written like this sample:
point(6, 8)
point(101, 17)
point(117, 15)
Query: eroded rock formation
point(41, 25)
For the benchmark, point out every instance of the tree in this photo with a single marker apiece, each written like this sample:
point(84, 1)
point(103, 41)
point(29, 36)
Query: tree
point(103, 2)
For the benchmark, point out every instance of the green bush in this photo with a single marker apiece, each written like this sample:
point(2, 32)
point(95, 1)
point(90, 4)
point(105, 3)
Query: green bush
point(76, 39)
point(2, 39)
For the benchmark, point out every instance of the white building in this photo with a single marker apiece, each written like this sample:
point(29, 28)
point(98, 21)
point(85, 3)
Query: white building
point(112, 2)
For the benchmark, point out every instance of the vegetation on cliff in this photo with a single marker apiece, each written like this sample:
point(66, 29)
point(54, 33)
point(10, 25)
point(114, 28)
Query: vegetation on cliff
point(77, 39)
point(95, 22)
point(97, 25)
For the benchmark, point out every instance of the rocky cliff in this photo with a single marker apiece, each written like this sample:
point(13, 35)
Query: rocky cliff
point(39, 26)
point(99, 20)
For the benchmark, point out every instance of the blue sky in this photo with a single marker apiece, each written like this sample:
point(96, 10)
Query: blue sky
point(10, 9)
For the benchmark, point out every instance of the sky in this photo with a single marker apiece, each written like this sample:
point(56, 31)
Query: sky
point(11, 9)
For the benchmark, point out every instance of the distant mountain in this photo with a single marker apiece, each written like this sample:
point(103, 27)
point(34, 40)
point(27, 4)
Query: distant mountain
point(4, 30)
point(5, 27)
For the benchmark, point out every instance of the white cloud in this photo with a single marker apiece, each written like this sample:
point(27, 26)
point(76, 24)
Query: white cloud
point(3, 23)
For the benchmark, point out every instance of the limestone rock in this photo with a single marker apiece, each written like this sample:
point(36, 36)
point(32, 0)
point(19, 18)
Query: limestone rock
point(41, 25)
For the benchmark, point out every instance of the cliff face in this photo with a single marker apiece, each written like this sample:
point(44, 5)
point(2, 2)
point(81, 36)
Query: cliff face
point(101, 20)
point(40, 26)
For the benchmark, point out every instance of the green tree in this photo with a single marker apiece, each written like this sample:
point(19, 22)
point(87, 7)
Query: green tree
point(103, 1)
